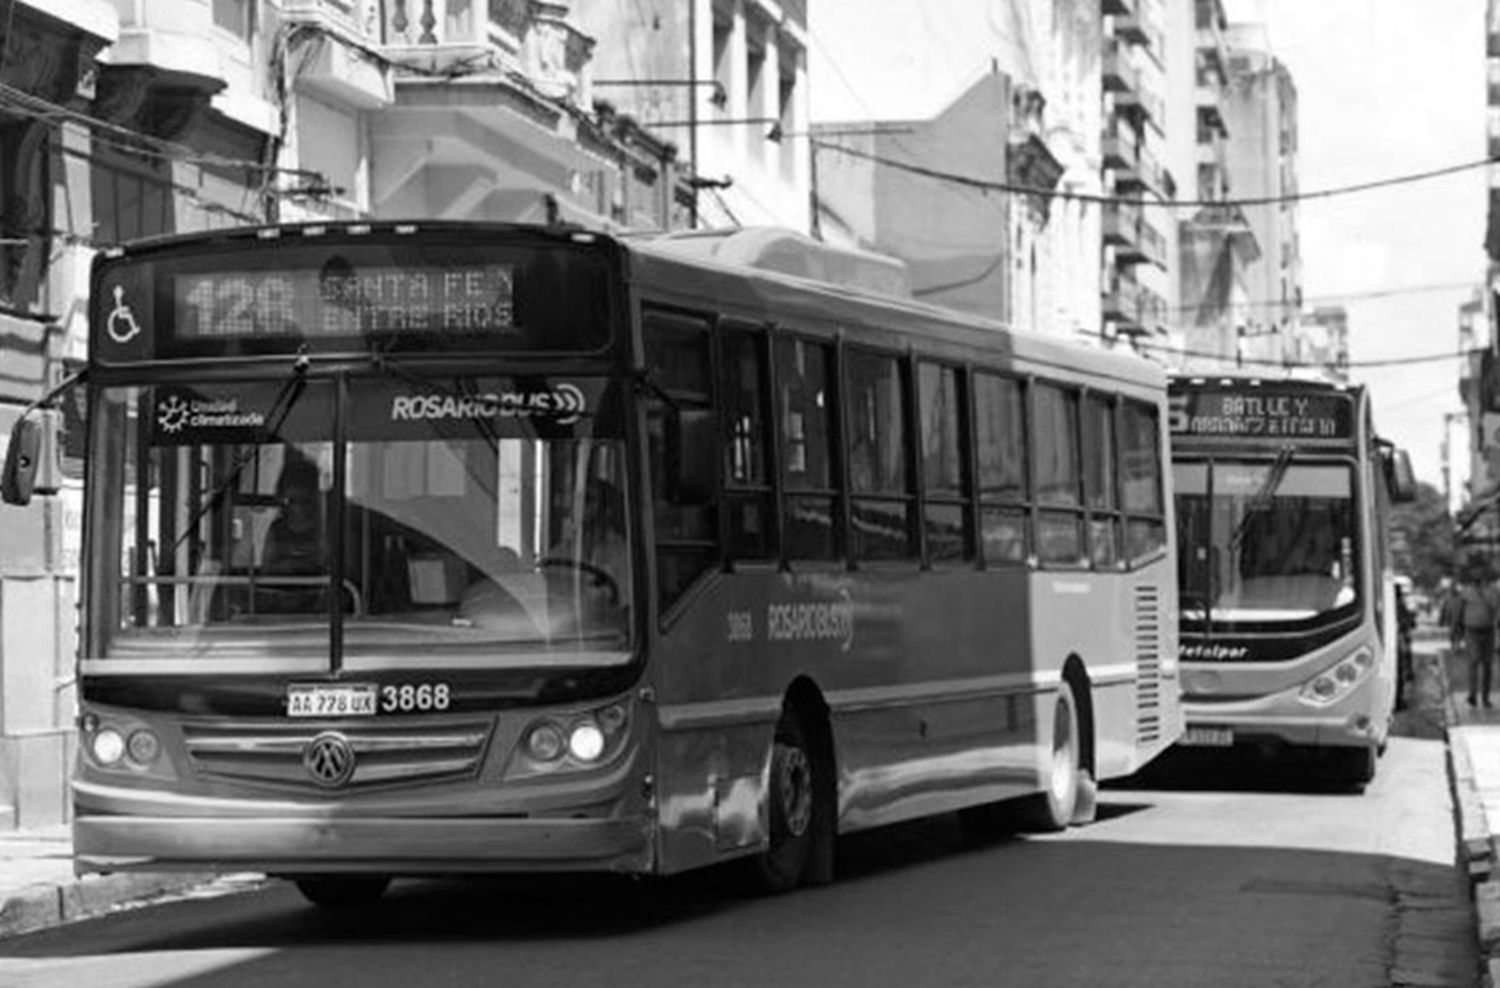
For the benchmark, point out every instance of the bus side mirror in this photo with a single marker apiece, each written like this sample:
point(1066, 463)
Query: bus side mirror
point(1402, 480)
point(22, 457)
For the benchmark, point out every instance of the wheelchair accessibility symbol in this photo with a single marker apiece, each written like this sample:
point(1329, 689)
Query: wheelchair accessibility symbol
point(121, 325)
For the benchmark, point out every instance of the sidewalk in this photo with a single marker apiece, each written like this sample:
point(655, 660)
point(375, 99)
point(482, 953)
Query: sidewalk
point(1474, 764)
point(38, 888)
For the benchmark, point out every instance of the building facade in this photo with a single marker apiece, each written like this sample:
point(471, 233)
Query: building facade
point(1133, 143)
point(1262, 118)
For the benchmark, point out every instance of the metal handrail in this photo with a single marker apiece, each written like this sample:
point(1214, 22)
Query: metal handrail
point(250, 580)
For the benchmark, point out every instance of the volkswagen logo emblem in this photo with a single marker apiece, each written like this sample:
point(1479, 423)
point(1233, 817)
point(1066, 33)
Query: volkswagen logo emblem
point(329, 759)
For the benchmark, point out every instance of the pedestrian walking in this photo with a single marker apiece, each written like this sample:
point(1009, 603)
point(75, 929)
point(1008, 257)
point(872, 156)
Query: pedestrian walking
point(1476, 614)
point(1406, 623)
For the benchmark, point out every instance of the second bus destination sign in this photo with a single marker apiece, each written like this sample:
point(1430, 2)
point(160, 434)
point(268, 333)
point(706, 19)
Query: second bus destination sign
point(1262, 414)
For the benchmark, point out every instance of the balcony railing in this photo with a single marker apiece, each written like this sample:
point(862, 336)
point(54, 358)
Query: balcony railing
point(1153, 243)
point(1122, 221)
point(1130, 27)
point(468, 36)
point(1146, 174)
point(1116, 72)
point(1121, 300)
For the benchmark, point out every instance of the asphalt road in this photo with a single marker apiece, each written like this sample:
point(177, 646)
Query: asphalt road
point(1206, 873)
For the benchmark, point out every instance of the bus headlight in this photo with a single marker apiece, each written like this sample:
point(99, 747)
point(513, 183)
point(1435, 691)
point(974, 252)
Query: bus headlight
point(586, 741)
point(578, 740)
point(107, 746)
point(1336, 682)
point(143, 747)
point(545, 743)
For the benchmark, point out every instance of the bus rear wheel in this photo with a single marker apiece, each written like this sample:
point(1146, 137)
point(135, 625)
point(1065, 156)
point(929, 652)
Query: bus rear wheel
point(342, 891)
point(795, 817)
point(1056, 806)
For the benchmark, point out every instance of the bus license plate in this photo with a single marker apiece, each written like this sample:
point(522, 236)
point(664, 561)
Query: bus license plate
point(1208, 737)
point(353, 700)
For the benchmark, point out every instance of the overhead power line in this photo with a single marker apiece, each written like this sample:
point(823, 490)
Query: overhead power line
point(992, 185)
point(1230, 359)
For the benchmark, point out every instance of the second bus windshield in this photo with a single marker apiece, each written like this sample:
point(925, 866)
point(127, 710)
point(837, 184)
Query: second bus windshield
point(1265, 543)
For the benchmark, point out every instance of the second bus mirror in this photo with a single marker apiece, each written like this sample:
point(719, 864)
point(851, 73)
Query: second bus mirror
point(22, 458)
point(1403, 480)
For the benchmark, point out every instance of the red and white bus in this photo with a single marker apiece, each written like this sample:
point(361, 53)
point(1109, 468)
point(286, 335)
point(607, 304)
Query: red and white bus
point(1288, 628)
point(452, 548)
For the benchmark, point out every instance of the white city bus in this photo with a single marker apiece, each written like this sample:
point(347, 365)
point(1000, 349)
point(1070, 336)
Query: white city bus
point(1288, 629)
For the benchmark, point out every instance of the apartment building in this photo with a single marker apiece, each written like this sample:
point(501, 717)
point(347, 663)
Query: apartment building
point(1133, 142)
point(1262, 117)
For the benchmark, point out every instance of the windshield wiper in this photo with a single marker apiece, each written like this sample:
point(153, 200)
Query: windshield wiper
point(281, 405)
point(1267, 493)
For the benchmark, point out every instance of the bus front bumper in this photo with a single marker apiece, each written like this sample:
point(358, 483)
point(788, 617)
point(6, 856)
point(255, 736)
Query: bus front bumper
point(1282, 718)
point(392, 846)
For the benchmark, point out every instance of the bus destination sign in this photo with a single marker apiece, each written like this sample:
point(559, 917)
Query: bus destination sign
point(1262, 414)
point(312, 303)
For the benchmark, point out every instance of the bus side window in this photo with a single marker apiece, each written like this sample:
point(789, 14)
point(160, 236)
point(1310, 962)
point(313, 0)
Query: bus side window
point(804, 415)
point(1059, 532)
point(880, 475)
point(747, 485)
point(1000, 440)
point(1141, 481)
point(947, 517)
point(1100, 494)
point(682, 448)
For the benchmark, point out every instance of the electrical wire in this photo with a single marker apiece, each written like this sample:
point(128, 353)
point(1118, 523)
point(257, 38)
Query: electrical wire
point(990, 185)
point(1237, 361)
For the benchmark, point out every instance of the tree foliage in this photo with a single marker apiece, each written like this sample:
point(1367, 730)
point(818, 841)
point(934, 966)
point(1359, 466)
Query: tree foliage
point(1422, 538)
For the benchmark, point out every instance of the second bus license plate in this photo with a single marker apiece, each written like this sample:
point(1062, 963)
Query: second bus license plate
point(1208, 737)
point(351, 700)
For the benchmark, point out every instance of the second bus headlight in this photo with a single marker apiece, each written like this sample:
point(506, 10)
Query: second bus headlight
point(1336, 682)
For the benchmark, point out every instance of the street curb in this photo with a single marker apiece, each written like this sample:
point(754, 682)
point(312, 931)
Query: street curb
point(1476, 845)
point(43, 906)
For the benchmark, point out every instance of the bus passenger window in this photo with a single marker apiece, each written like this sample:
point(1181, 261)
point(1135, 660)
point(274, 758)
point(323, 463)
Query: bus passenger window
point(804, 413)
point(879, 474)
point(945, 473)
point(747, 495)
point(1059, 533)
point(1000, 438)
point(683, 447)
point(1099, 480)
point(1140, 481)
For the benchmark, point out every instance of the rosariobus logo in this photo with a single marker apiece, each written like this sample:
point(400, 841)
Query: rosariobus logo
point(562, 403)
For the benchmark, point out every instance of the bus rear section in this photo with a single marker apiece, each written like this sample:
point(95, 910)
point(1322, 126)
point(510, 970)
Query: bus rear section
point(1287, 641)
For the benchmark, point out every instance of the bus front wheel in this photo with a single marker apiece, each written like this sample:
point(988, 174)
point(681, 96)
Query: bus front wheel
point(342, 891)
point(795, 817)
point(1056, 806)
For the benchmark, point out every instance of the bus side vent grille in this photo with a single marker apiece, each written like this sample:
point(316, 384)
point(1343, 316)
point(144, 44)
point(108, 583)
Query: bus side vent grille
point(1148, 631)
point(384, 754)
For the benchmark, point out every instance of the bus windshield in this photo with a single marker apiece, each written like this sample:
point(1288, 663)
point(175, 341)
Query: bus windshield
point(1265, 541)
point(460, 525)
